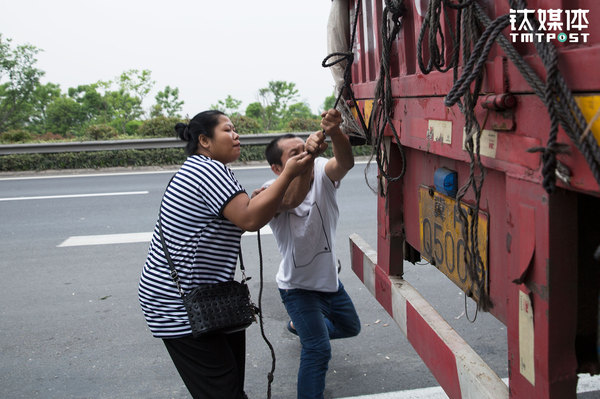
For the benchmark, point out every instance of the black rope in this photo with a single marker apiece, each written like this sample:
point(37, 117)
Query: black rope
point(347, 88)
point(473, 69)
point(383, 101)
point(477, 171)
point(431, 24)
point(271, 374)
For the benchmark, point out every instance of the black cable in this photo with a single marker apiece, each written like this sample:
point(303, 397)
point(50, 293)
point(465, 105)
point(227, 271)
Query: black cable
point(271, 374)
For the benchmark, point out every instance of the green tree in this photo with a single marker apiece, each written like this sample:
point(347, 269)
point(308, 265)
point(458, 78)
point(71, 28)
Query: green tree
point(299, 110)
point(93, 103)
point(124, 107)
point(125, 103)
point(136, 83)
point(167, 101)
point(43, 96)
point(299, 118)
point(275, 99)
point(254, 110)
point(329, 102)
point(18, 81)
point(65, 116)
point(230, 105)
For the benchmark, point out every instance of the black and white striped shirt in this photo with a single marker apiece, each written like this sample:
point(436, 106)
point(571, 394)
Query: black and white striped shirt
point(203, 244)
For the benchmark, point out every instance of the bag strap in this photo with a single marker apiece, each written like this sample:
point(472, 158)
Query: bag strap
point(242, 268)
point(174, 274)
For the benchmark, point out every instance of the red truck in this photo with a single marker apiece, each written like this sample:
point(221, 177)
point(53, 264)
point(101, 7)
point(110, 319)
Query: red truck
point(483, 118)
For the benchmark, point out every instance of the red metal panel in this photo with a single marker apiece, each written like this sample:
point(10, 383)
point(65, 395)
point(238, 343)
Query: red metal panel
point(390, 224)
point(551, 280)
point(383, 290)
point(357, 262)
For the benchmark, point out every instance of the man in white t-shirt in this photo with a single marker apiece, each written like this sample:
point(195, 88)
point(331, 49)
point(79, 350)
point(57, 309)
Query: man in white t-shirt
point(305, 227)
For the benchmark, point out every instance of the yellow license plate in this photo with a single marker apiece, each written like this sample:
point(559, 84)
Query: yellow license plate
point(442, 241)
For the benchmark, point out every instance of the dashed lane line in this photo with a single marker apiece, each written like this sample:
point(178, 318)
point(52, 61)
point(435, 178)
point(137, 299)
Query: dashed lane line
point(43, 197)
point(128, 238)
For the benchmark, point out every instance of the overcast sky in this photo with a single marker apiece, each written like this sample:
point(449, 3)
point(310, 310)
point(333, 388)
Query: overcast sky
point(207, 49)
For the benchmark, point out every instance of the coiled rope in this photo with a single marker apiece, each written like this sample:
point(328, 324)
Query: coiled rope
point(381, 117)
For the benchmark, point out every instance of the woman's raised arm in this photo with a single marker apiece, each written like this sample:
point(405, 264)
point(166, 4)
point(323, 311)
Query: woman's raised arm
point(252, 214)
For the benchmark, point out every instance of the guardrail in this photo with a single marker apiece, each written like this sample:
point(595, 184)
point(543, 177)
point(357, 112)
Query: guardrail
point(111, 145)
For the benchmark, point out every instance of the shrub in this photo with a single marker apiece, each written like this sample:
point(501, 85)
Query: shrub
point(15, 136)
point(245, 124)
point(101, 132)
point(304, 125)
point(124, 158)
point(49, 136)
point(160, 126)
point(132, 127)
point(92, 160)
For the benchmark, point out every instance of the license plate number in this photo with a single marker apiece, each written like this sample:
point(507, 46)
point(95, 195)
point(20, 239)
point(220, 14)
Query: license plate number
point(442, 241)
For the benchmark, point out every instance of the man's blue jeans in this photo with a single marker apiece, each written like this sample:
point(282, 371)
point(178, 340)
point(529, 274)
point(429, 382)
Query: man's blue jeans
point(318, 317)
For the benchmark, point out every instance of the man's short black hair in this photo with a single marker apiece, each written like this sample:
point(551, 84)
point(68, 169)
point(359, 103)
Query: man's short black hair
point(273, 151)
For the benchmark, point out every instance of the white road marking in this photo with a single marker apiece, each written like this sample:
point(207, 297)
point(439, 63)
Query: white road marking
point(106, 239)
point(91, 174)
point(74, 196)
point(586, 383)
point(422, 393)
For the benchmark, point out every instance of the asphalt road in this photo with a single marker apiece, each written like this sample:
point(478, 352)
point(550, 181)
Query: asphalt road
point(71, 326)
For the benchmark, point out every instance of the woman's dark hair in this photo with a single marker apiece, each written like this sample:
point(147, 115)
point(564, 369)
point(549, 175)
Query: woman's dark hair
point(273, 151)
point(203, 123)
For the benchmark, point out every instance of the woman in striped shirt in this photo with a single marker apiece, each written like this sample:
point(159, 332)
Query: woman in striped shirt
point(204, 212)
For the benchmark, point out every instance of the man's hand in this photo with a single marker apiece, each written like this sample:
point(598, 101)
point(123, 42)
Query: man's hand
point(343, 160)
point(331, 122)
point(315, 144)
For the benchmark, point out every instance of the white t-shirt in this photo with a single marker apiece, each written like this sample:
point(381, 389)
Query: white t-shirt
point(305, 236)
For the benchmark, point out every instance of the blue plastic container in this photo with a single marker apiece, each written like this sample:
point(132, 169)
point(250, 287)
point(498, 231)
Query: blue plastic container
point(446, 182)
